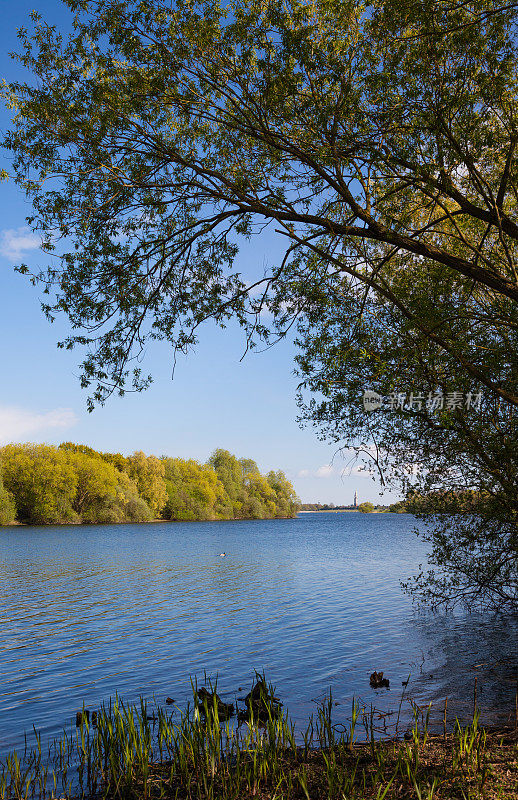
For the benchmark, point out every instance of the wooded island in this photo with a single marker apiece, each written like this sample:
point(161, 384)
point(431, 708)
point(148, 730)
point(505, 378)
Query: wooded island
point(72, 483)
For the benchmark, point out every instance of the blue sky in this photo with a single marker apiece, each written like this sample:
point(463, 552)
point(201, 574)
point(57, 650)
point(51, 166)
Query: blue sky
point(215, 400)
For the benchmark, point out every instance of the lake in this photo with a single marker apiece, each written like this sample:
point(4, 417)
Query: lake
point(88, 611)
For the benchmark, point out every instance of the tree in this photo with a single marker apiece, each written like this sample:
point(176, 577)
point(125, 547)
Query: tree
point(148, 474)
point(230, 473)
point(424, 437)
point(287, 502)
point(72, 447)
point(117, 460)
point(397, 508)
point(260, 502)
point(380, 144)
point(42, 481)
point(104, 494)
point(253, 495)
point(129, 506)
point(97, 484)
point(74, 483)
point(366, 508)
point(194, 492)
point(7, 506)
point(248, 467)
point(380, 141)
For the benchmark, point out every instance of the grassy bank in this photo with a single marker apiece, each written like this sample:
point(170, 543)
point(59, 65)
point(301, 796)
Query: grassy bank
point(127, 753)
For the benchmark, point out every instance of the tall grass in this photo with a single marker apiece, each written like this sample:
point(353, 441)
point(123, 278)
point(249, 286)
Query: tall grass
point(130, 754)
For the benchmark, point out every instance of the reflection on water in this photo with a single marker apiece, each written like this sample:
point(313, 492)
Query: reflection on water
point(458, 651)
point(87, 611)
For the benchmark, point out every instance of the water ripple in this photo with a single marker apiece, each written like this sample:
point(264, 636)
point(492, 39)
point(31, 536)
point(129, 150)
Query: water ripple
point(87, 611)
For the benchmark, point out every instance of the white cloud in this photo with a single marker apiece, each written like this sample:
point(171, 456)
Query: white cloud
point(15, 242)
point(18, 423)
point(322, 472)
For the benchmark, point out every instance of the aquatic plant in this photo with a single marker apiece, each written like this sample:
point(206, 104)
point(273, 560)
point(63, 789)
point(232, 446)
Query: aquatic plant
point(127, 753)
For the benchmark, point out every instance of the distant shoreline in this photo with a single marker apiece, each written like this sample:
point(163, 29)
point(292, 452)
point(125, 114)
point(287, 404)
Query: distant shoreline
point(330, 511)
point(17, 524)
point(343, 511)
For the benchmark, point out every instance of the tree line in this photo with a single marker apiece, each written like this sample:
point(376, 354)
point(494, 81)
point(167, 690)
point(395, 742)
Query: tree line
point(44, 485)
point(380, 142)
point(367, 507)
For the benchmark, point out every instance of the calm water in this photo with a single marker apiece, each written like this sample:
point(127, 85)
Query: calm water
point(136, 609)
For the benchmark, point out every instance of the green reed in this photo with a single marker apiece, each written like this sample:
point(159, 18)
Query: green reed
point(193, 754)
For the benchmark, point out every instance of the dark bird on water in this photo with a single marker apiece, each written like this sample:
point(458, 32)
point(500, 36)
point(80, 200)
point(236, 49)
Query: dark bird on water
point(377, 681)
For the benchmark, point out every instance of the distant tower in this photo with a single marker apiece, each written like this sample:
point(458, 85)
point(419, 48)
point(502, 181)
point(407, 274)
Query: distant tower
point(356, 499)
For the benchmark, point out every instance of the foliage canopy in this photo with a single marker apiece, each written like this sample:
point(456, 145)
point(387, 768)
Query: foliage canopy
point(378, 139)
point(40, 484)
point(7, 506)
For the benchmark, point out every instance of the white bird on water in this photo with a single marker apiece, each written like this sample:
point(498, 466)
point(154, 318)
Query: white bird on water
point(222, 554)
